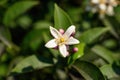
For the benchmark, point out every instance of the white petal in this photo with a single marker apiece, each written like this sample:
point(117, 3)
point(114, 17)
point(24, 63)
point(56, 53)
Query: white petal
point(102, 6)
point(110, 10)
point(72, 41)
point(69, 31)
point(63, 50)
point(95, 1)
point(51, 44)
point(55, 33)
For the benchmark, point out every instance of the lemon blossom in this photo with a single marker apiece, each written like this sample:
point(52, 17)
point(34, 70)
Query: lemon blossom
point(104, 6)
point(62, 40)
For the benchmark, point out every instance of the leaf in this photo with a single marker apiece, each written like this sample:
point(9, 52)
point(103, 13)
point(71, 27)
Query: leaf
point(110, 26)
point(3, 69)
point(61, 18)
point(108, 71)
point(88, 70)
point(16, 10)
point(104, 53)
point(42, 25)
point(78, 54)
point(5, 36)
point(2, 47)
point(33, 39)
point(24, 21)
point(92, 34)
point(31, 63)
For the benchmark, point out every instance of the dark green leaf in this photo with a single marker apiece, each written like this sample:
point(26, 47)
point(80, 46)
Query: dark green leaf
point(16, 10)
point(92, 34)
point(88, 70)
point(61, 19)
point(5, 36)
point(108, 71)
point(33, 39)
point(104, 53)
point(32, 63)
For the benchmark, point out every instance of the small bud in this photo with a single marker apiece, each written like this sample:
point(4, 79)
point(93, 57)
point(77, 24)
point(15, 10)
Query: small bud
point(61, 31)
point(75, 49)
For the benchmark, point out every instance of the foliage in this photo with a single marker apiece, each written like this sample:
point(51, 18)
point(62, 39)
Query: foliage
point(24, 30)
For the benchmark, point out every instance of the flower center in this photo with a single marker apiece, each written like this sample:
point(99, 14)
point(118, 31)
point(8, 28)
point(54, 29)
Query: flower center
point(62, 40)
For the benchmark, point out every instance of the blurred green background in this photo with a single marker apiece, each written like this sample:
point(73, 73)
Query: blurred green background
point(24, 30)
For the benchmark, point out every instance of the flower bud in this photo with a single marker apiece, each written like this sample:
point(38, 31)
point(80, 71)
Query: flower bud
point(75, 49)
point(61, 31)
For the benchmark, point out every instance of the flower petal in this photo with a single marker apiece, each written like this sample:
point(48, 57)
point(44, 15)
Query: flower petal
point(55, 33)
point(72, 41)
point(69, 31)
point(63, 50)
point(51, 44)
point(102, 7)
point(110, 10)
point(95, 1)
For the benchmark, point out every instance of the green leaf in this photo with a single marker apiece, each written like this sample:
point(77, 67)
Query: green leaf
point(108, 71)
point(42, 25)
point(16, 10)
point(92, 34)
point(33, 39)
point(3, 69)
point(5, 36)
point(111, 27)
point(32, 63)
point(88, 70)
point(2, 47)
point(24, 21)
point(104, 53)
point(78, 54)
point(61, 18)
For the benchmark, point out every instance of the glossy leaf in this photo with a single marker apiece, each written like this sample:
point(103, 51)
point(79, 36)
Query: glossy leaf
point(108, 71)
point(77, 54)
point(88, 70)
point(104, 53)
point(92, 34)
point(31, 63)
point(16, 10)
point(61, 18)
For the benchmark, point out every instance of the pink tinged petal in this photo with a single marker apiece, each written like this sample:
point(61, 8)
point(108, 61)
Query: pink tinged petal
point(51, 44)
point(55, 33)
point(72, 41)
point(63, 50)
point(69, 31)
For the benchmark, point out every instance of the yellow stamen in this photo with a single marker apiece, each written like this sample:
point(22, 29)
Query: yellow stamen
point(62, 40)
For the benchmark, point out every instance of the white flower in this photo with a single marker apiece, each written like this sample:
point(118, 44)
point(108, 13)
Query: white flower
point(61, 40)
point(104, 6)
